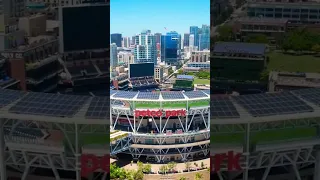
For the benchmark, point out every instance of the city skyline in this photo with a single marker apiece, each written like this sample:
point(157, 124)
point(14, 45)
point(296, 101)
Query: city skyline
point(177, 16)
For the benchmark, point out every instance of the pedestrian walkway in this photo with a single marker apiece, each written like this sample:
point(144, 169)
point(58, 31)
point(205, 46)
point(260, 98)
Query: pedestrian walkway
point(180, 167)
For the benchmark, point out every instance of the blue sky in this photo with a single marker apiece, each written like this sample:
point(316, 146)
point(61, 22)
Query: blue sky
point(130, 17)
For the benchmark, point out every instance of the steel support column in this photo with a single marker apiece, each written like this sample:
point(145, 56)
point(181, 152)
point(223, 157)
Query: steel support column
point(3, 173)
point(317, 166)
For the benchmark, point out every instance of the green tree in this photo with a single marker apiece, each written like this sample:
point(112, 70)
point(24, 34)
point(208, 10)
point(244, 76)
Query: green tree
point(225, 33)
point(316, 48)
point(258, 38)
point(138, 175)
point(183, 178)
point(199, 176)
point(180, 71)
point(147, 168)
point(264, 75)
point(163, 169)
point(140, 165)
point(171, 166)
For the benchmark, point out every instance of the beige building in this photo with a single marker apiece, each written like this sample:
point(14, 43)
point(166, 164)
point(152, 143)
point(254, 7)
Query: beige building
point(200, 56)
point(125, 57)
point(158, 73)
point(33, 25)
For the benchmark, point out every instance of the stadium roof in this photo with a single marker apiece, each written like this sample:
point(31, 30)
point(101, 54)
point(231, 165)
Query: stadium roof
point(296, 104)
point(74, 108)
point(235, 47)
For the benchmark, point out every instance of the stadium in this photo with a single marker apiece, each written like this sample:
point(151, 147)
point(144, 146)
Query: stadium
point(52, 134)
point(160, 127)
point(276, 135)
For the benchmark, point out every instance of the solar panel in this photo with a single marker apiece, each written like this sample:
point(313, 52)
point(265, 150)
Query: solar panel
point(272, 104)
point(125, 94)
point(188, 77)
point(311, 94)
point(99, 108)
point(112, 92)
point(206, 91)
point(195, 94)
point(231, 47)
point(222, 107)
point(172, 95)
point(148, 95)
point(49, 104)
point(8, 96)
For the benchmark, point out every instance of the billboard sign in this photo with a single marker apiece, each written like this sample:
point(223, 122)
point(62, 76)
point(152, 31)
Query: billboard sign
point(159, 113)
point(91, 163)
point(232, 158)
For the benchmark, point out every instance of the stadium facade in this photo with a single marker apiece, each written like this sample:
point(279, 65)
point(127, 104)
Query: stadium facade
point(43, 132)
point(162, 126)
point(276, 135)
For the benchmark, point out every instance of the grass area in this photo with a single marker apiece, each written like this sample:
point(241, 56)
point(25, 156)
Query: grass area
point(265, 136)
point(201, 81)
point(198, 103)
point(291, 63)
point(86, 139)
point(150, 105)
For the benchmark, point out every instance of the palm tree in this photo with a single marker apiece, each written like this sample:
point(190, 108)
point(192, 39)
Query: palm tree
point(198, 176)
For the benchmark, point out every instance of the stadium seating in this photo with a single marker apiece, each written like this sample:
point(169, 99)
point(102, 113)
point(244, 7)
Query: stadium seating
point(25, 133)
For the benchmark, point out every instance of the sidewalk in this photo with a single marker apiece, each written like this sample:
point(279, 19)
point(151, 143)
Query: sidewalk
point(179, 166)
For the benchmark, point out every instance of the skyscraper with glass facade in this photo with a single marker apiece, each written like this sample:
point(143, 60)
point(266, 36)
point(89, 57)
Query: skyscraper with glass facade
point(113, 55)
point(204, 42)
point(116, 38)
point(145, 48)
point(195, 31)
point(172, 44)
point(186, 39)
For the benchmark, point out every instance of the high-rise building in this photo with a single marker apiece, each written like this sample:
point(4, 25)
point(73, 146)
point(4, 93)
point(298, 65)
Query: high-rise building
point(116, 38)
point(195, 31)
point(181, 43)
point(133, 40)
point(125, 57)
point(171, 46)
point(162, 48)
point(186, 39)
point(145, 49)
point(191, 40)
point(113, 55)
point(204, 39)
point(126, 42)
point(158, 37)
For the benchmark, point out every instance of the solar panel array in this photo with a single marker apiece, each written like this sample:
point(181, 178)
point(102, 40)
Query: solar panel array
point(126, 94)
point(311, 94)
point(272, 104)
point(235, 47)
point(49, 104)
point(148, 95)
point(172, 95)
point(188, 77)
point(9, 96)
point(195, 94)
point(222, 107)
point(99, 108)
point(112, 92)
point(206, 91)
